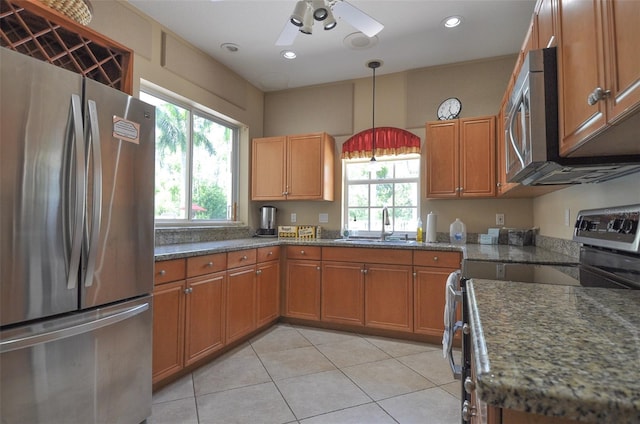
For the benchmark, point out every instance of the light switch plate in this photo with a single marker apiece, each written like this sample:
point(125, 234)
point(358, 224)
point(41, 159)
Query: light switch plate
point(294, 218)
point(323, 218)
point(499, 219)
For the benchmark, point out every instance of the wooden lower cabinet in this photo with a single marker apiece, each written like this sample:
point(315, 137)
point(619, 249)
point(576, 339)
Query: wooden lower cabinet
point(188, 315)
point(429, 295)
point(431, 271)
point(342, 298)
point(241, 302)
point(168, 329)
point(388, 297)
point(302, 282)
point(268, 292)
point(205, 316)
point(302, 289)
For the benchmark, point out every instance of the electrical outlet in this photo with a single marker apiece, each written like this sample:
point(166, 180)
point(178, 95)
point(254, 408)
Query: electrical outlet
point(323, 218)
point(567, 217)
point(294, 218)
point(499, 219)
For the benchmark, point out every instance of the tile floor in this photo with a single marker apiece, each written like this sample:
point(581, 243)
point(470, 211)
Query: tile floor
point(295, 374)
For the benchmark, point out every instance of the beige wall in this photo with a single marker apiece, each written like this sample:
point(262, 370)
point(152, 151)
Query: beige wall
point(549, 210)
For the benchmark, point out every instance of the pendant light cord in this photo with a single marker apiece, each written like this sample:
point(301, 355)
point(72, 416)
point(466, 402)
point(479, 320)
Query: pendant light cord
point(373, 117)
point(373, 64)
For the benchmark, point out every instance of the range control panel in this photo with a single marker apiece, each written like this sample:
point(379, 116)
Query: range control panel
point(615, 228)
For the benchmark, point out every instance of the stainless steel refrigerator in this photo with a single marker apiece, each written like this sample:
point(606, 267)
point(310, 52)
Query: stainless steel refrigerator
point(76, 247)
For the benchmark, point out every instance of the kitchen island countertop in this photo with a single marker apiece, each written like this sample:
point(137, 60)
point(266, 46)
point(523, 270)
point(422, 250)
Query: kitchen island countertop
point(505, 253)
point(557, 350)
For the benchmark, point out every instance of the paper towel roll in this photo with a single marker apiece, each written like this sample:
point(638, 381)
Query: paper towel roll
point(432, 220)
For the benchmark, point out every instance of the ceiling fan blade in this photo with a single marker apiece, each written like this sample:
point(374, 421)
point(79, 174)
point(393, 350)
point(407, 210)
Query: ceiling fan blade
point(288, 35)
point(357, 18)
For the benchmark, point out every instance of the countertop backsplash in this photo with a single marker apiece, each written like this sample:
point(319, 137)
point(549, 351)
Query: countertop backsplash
point(176, 235)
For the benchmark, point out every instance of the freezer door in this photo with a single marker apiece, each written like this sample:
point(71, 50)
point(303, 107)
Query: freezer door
point(93, 367)
point(119, 232)
point(41, 188)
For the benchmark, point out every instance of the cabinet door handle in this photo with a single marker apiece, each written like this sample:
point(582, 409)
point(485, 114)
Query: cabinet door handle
point(162, 272)
point(597, 95)
point(258, 272)
point(244, 258)
point(270, 253)
point(435, 259)
point(318, 268)
point(302, 252)
point(188, 290)
point(210, 264)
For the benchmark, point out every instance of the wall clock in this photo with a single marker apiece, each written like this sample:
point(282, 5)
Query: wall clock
point(449, 108)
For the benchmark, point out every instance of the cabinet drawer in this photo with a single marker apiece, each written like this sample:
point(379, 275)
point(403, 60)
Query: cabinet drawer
point(165, 271)
point(304, 252)
point(206, 264)
point(241, 258)
point(437, 258)
point(270, 253)
point(365, 255)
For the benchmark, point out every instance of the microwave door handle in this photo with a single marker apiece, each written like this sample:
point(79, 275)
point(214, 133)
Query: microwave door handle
point(512, 139)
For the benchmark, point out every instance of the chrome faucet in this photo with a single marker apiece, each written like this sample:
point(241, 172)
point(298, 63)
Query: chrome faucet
point(385, 221)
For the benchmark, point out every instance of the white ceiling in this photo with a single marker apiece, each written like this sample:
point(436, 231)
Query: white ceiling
point(413, 36)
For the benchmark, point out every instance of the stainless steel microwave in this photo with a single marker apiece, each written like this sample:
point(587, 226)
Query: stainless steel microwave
point(532, 133)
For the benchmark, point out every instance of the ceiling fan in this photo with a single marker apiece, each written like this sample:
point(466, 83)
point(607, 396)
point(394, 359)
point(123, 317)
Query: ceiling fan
point(306, 12)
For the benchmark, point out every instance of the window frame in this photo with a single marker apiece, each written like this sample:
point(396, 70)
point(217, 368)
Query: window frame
point(202, 112)
point(345, 193)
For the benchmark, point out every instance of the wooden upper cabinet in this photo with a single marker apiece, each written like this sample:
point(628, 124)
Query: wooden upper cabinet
point(294, 167)
point(268, 173)
point(478, 157)
point(443, 158)
point(598, 50)
point(461, 158)
point(545, 24)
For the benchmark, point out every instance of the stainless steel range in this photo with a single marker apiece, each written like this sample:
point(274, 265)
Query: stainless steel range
point(609, 257)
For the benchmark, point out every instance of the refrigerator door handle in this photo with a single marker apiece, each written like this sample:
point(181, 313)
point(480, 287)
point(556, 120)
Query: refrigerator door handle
point(77, 212)
point(96, 206)
point(87, 326)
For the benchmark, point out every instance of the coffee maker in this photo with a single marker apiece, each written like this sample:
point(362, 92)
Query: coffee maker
point(268, 226)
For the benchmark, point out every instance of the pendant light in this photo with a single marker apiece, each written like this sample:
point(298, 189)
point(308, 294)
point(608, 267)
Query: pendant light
point(373, 65)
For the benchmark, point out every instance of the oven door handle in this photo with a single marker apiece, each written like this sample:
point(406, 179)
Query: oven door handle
point(456, 369)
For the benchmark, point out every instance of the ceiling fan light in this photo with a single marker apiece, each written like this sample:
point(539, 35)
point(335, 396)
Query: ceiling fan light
point(320, 10)
point(299, 11)
point(307, 22)
point(330, 22)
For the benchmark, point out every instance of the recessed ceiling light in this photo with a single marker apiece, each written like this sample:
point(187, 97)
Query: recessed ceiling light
point(230, 47)
point(359, 41)
point(452, 21)
point(288, 54)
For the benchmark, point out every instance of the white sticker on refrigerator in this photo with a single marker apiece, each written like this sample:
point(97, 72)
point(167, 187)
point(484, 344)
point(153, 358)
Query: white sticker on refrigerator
point(126, 130)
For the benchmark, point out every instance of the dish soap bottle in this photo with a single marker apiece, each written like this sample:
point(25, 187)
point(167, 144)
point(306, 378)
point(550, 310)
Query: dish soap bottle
point(457, 232)
point(419, 233)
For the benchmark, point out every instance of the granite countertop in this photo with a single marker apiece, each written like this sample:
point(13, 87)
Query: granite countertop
point(557, 350)
point(504, 253)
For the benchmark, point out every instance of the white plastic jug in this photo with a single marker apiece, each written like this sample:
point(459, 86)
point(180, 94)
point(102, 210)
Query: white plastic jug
point(457, 232)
